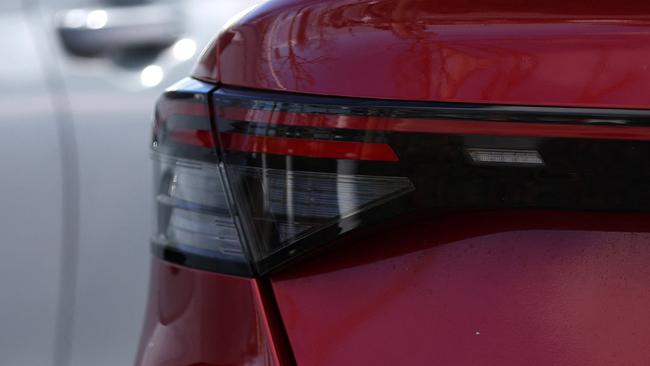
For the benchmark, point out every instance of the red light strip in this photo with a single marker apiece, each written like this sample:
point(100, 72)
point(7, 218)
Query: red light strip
point(168, 108)
point(186, 136)
point(308, 148)
point(436, 126)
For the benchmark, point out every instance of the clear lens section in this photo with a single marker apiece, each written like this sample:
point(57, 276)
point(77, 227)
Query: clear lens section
point(501, 156)
point(243, 196)
point(195, 186)
point(285, 206)
point(203, 232)
point(193, 213)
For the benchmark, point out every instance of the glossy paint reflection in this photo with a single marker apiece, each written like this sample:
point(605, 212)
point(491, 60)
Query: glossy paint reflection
point(476, 288)
point(200, 318)
point(508, 52)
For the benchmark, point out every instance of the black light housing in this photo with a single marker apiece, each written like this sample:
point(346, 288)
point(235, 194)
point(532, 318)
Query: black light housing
point(248, 181)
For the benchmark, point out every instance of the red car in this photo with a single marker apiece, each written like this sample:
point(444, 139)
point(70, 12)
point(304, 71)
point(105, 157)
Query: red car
point(390, 182)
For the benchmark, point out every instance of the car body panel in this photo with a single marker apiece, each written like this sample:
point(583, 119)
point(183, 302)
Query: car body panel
point(476, 288)
point(507, 52)
point(31, 196)
point(505, 287)
point(202, 318)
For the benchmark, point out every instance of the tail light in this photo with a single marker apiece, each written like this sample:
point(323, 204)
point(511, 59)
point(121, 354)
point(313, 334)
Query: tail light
point(247, 181)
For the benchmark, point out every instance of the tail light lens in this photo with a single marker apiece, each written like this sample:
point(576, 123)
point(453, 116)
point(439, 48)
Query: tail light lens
point(247, 181)
point(195, 224)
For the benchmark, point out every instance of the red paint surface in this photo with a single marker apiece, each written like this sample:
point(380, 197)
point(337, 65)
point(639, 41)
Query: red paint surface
point(490, 51)
point(436, 126)
point(171, 108)
point(200, 318)
point(306, 147)
point(477, 288)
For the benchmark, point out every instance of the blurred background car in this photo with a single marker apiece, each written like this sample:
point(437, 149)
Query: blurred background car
point(79, 78)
